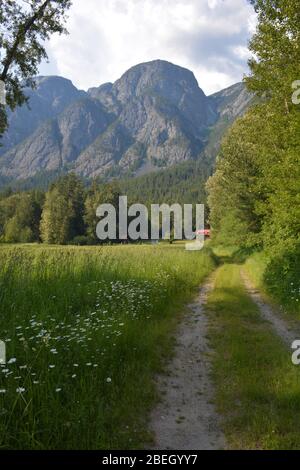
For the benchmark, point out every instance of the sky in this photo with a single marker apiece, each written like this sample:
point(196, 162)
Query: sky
point(107, 37)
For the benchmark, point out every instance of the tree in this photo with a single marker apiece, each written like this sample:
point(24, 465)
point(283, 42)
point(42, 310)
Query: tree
point(62, 217)
point(99, 194)
point(25, 26)
point(257, 180)
point(55, 222)
point(20, 217)
point(274, 69)
point(71, 188)
point(234, 188)
point(275, 64)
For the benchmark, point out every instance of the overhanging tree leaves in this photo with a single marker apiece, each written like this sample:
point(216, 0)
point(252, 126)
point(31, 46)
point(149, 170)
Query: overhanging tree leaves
point(276, 48)
point(24, 27)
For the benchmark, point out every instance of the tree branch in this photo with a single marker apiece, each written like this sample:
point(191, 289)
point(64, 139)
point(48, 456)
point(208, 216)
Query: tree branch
point(23, 30)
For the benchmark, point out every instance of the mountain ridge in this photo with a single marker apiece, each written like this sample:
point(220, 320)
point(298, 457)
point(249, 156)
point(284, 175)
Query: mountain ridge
point(154, 116)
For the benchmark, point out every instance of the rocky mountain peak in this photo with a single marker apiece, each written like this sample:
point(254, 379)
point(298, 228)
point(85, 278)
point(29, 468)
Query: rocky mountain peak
point(156, 77)
point(154, 116)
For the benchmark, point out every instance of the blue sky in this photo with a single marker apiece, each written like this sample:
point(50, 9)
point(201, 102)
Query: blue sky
point(107, 37)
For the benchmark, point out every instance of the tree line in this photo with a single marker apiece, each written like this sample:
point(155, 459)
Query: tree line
point(66, 213)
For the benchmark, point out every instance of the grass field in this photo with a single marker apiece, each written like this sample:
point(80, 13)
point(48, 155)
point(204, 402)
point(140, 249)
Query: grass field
point(86, 329)
point(257, 386)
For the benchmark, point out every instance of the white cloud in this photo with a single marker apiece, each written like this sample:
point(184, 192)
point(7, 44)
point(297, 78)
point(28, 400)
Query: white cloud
point(109, 36)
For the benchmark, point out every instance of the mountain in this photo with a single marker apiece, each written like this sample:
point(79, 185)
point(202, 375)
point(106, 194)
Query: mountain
point(155, 116)
point(230, 104)
point(50, 97)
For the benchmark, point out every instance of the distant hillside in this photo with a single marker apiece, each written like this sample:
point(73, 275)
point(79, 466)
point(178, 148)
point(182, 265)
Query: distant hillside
point(183, 183)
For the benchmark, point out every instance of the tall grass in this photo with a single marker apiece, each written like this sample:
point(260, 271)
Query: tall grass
point(279, 277)
point(86, 329)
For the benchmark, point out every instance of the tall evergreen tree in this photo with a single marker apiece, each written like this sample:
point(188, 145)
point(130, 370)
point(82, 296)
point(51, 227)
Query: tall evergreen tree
point(99, 194)
point(62, 217)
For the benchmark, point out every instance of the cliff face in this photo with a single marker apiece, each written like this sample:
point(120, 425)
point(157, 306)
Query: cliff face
point(154, 116)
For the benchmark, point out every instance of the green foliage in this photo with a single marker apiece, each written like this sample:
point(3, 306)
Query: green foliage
point(98, 194)
point(62, 217)
point(55, 222)
point(282, 278)
point(183, 183)
point(231, 230)
point(278, 276)
point(19, 217)
point(235, 189)
point(24, 30)
point(275, 65)
point(257, 180)
point(68, 209)
point(82, 240)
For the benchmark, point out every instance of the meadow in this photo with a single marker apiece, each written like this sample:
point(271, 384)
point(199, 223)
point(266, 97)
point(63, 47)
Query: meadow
point(86, 330)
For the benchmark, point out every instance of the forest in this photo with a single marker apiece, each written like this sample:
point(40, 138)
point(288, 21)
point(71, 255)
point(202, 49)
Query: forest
point(66, 212)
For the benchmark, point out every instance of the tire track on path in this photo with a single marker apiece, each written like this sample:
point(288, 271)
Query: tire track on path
point(286, 333)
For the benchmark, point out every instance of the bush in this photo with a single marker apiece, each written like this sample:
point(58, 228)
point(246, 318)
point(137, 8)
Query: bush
point(282, 278)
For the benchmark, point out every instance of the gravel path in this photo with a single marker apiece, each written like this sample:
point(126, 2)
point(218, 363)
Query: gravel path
point(286, 333)
point(186, 418)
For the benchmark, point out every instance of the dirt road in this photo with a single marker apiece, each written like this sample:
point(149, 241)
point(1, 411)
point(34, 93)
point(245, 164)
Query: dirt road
point(186, 417)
